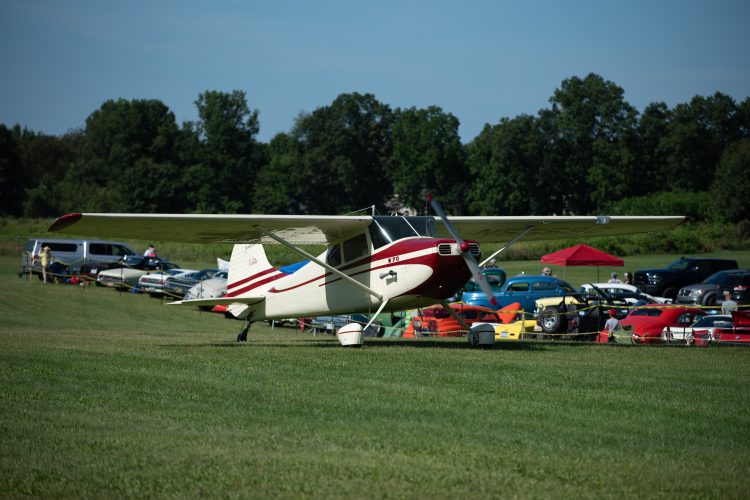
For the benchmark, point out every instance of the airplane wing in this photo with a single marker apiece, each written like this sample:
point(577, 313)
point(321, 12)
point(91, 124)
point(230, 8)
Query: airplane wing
point(199, 228)
point(322, 229)
point(503, 229)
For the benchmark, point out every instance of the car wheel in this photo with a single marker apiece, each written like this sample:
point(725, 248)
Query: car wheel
point(710, 300)
point(671, 293)
point(552, 320)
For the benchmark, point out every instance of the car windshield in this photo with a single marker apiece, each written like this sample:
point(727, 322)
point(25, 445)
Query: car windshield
point(716, 278)
point(718, 321)
point(679, 264)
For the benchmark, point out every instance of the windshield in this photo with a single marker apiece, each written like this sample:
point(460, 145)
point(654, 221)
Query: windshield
point(717, 321)
point(679, 264)
point(387, 229)
point(715, 279)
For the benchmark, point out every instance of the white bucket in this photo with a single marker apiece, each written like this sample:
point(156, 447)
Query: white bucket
point(351, 335)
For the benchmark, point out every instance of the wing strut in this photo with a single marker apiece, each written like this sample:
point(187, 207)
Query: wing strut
point(319, 262)
point(507, 246)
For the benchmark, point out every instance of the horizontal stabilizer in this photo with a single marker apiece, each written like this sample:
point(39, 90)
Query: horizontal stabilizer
point(218, 301)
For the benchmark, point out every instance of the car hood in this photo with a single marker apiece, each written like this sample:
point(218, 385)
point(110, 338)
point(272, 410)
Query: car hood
point(658, 271)
point(701, 286)
point(123, 271)
point(555, 301)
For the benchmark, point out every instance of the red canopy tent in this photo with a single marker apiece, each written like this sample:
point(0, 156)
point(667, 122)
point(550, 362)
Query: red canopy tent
point(582, 255)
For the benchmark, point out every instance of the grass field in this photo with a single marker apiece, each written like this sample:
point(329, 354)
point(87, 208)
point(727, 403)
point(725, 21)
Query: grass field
point(116, 395)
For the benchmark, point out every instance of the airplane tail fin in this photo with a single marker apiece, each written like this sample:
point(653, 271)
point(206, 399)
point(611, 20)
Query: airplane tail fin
point(250, 273)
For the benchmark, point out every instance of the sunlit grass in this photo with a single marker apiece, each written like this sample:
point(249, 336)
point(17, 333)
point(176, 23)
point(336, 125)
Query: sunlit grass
point(106, 394)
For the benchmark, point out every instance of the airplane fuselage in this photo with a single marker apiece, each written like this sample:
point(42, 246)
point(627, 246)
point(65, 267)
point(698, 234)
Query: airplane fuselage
point(411, 272)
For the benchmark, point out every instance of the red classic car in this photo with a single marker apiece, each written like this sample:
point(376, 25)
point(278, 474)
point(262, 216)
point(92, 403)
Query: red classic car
point(650, 320)
point(737, 334)
point(435, 320)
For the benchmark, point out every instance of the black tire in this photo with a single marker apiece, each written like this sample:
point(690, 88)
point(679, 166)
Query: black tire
point(553, 321)
point(671, 293)
point(710, 300)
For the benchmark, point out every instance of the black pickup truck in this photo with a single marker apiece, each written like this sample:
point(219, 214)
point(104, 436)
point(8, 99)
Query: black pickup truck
point(682, 272)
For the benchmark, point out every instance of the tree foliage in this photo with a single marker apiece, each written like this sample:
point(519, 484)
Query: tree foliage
point(589, 152)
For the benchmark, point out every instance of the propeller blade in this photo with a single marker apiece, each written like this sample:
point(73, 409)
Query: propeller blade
point(471, 262)
point(476, 271)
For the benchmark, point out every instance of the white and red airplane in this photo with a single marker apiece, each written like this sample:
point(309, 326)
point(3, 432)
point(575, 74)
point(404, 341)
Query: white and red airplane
point(371, 264)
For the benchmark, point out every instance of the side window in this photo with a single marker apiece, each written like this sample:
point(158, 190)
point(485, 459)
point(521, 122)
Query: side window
point(333, 258)
point(470, 315)
point(98, 248)
point(355, 248)
point(519, 287)
point(541, 286)
point(61, 247)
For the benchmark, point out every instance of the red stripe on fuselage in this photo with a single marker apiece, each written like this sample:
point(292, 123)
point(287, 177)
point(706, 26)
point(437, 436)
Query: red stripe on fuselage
point(255, 285)
point(251, 278)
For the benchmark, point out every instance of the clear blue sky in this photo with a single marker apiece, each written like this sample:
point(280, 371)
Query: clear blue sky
point(479, 60)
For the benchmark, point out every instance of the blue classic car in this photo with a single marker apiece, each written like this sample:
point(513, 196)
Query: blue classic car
point(525, 289)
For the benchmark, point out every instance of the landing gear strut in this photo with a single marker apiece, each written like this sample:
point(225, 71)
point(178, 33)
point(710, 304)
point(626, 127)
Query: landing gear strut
point(242, 336)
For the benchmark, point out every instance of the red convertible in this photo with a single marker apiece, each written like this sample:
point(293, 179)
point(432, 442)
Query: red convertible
point(648, 321)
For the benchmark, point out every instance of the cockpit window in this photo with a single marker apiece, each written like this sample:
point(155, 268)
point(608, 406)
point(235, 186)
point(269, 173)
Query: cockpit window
point(387, 229)
point(356, 247)
point(333, 258)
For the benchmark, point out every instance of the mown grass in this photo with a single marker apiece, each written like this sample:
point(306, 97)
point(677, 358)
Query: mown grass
point(116, 395)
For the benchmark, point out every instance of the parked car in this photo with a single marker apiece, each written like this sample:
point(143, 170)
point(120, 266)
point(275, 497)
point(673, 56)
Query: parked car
point(472, 294)
point(435, 320)
point(630, 292)
point(682, 272)
point(210, 288)
point(704, 327)
point(153, 283)
point(134, 266)
point(741, 294)
point(526, 289)
point(582, 315)
point(711, 290)
point(647, 322)
point(74, 253)
point(738, 333)
point(178, 286)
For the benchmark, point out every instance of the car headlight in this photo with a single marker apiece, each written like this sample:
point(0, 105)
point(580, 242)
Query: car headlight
point(697, 292)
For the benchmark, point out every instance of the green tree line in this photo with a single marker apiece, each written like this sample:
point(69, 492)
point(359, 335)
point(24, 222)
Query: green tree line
point(589, 152)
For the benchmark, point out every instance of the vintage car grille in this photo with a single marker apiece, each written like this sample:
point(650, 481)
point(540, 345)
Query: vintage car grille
point(152, 281)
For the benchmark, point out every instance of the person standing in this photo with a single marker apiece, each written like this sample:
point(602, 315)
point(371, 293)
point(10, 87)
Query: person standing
point(612, 325)
point(150, 251)
point(728, 305)
point(45, 259)
point(614, 279)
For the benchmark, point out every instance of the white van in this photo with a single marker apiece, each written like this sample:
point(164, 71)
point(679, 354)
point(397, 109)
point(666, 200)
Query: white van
point(74, 253)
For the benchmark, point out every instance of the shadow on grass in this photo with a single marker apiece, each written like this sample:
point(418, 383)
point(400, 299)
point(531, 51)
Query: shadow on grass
point(375, 344)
